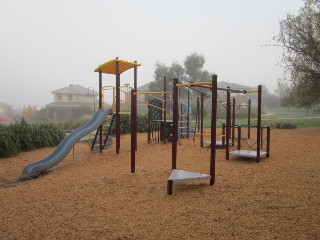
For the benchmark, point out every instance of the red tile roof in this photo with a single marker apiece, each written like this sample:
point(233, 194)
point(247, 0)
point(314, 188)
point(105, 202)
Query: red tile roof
point(5, 120)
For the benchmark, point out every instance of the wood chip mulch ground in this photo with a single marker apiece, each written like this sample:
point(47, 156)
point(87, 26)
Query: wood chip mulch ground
point(94, 196)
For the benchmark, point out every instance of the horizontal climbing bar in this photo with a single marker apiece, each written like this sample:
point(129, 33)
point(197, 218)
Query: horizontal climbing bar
point(194, 84)
point(170, 92)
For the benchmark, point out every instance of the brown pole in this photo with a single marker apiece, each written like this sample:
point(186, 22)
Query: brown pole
point(201, 120)
point(100, 89)
point(165, 110)
point(100, 107)
point(213, 129)
point(228, 125)
point(133, 133)
point(239, 137)
point(249, 117)
point(175, 123)
point(259, 124)
point(198, 112)
point(261, 138)
point(135, 86)
point(268, 141)
point(233, 118)
point(149, 122)
point(117, 108)
point(223, 135)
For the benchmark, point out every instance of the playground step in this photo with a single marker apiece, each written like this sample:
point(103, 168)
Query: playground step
point(181, 175)
point(247, 153)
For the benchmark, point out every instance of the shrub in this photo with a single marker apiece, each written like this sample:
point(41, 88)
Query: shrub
point(125, 124)
point(8, 148)
point(282, 125)
point(22, 135)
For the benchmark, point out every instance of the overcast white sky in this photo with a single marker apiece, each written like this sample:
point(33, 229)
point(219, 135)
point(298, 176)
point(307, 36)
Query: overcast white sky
point(48, 44)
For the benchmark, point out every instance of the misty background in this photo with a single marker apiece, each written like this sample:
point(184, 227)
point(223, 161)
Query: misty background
point(46, 45)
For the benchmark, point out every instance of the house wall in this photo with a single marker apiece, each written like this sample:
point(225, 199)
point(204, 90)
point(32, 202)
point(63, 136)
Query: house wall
point(75, 98)
point(84, 98)
point(5, 111)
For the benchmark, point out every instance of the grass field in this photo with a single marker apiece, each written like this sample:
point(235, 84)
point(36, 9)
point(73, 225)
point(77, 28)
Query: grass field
point(297, 117)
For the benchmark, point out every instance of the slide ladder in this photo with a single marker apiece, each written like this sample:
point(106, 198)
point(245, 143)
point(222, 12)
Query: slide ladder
point(106, 130)
point(184, 121)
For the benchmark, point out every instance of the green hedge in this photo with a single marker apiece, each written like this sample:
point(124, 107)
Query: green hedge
point(125, 124)
point(22, 135)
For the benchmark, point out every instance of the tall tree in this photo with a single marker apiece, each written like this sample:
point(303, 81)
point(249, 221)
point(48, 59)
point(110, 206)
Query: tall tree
point(194, 65)
point(300, 39)
point(161, 70)
point(192, 71)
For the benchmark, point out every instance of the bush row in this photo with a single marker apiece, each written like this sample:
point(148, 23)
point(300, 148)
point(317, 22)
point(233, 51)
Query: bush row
point(22, 135)
point(125, 124)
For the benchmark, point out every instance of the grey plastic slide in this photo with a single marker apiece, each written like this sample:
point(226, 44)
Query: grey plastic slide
point(66, 144)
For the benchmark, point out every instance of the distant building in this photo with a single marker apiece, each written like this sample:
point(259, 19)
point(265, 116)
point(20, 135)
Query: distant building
point(5, 110)
point(6, 120)
point(69, 101)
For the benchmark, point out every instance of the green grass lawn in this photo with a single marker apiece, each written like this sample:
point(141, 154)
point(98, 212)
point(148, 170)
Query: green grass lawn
point(297, 117)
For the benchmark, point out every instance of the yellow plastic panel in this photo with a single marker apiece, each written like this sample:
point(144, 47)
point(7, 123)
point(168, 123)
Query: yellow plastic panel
point(110, 66)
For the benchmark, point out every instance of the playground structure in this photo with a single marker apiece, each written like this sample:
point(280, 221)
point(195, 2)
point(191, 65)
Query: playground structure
point(116, 67)
point(257, 152)
point(233, 134)
point(125, 101)
point(178, 175)
point(204, 105)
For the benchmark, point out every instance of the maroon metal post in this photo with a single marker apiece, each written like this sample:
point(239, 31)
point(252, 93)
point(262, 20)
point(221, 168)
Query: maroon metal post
point(261, 137)
point(249, 117)
point(239, 137)
point(169, 187)
point(259, 124)
point(175, 116)
point(149, 121)
point(135, 86)
point(223, 135)
point(175, 123)
point(100, 89)
point(117, 108)
point(228, 125)
point(268, 141)
point(100, 107)
point(198, 112)
point(201, 119)
point(213, 129)
point(164, 130)
point(133, 132)
point(233, 119)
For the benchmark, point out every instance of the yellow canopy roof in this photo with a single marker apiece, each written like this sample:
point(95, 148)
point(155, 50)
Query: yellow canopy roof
point(110, 66)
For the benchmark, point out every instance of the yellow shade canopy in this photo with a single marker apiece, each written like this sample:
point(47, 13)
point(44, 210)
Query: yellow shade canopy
point(110, 66)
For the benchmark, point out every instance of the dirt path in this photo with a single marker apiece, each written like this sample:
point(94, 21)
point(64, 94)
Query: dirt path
point(94, 196)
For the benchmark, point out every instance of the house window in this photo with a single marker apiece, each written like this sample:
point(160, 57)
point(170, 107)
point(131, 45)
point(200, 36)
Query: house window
point(59, 97)
point(70, 97)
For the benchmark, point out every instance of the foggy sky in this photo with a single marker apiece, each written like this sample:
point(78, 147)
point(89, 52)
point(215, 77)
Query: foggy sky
point(48, 44)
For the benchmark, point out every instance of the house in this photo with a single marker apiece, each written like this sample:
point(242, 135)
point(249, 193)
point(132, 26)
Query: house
point(73, 101)
point(5, 120)
point(5, 110)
